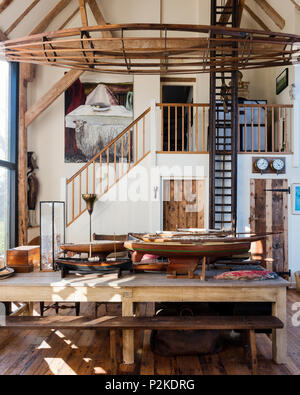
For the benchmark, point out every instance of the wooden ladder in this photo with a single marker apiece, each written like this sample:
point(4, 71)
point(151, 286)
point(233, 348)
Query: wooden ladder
point(223, 126)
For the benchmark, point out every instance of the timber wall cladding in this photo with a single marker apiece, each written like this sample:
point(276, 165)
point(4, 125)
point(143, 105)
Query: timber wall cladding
point(269, 213)
point(183, 204)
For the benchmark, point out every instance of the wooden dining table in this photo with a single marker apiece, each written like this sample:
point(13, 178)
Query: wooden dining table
point(137, 288)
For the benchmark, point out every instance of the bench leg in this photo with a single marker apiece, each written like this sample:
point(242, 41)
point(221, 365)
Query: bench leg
point(253, 351)
point(113, 351)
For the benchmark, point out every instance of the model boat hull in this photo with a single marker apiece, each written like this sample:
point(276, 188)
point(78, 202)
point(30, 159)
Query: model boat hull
point(86, 267)
point(99, 248)
point(186, 250)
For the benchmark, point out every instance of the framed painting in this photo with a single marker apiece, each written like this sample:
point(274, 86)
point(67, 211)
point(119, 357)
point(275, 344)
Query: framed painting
point(296, 199)
point(95, 114)
point(282, 81)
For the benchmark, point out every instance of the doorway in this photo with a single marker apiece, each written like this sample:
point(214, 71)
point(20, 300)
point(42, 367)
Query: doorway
point(176, 116)
point(269, 213)
point(183, 204)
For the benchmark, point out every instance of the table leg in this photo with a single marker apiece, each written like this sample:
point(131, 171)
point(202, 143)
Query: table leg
point(29, 309)
point(128, 335)
point(279, 341)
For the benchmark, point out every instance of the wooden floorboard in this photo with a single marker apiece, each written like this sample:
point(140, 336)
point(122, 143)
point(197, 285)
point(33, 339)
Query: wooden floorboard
point(49, 352)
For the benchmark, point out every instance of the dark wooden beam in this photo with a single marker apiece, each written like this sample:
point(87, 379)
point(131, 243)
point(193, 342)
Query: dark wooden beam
point(98, 16)
point(69, 19)
point(240, 11)
point(57, 89)
point(42, 26)
point(83, 14)
point(4, 4)
point(22, 159)
point(21, 17)
point(256, 18)
point(271, 12)
point(3, 36)
point(224, 18)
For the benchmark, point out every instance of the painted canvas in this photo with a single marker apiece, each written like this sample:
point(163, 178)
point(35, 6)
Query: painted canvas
point(95, 113)
point(296, 199)
point(282, 81)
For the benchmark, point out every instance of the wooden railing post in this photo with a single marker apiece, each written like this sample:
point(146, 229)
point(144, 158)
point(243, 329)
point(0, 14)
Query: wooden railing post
point(153, 127)
point(107, 160)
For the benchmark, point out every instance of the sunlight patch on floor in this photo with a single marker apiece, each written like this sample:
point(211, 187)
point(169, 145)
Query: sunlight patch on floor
point(58, 366)
point(99, 370)
point(44, 345)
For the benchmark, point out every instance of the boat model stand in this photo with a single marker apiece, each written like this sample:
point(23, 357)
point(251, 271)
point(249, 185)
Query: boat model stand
point(185, 268)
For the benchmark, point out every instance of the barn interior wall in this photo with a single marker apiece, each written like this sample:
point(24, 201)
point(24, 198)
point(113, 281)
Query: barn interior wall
point(46, 134)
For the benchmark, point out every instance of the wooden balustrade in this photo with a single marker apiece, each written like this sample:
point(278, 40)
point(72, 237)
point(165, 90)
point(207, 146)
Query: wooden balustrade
point(184, 127)
point(265, 128)
point(106, 168)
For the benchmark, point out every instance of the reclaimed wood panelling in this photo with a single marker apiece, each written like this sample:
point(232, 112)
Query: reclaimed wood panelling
point(269, 213)
point(183, 205)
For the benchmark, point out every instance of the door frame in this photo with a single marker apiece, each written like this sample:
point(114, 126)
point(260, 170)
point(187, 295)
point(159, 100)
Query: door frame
point(185, 178)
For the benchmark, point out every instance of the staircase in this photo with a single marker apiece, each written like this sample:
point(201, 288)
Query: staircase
point(223, 127)
point(109, 166)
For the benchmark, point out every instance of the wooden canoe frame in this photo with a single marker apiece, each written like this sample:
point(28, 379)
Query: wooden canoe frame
point(86, 49)
point(27, 75)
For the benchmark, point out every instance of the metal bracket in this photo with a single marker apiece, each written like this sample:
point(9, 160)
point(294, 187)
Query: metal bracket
point(279, 190)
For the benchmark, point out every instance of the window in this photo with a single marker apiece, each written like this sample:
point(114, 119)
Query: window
point(8, 153)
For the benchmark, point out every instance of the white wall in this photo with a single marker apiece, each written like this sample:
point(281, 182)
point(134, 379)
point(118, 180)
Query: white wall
point(46, 134)
point(243, 203)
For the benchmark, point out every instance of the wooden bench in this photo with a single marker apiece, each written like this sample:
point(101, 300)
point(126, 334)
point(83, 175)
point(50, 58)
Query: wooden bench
point(249, 324)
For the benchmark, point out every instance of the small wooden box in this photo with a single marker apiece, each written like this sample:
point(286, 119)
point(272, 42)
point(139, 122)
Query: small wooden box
point(23, 259)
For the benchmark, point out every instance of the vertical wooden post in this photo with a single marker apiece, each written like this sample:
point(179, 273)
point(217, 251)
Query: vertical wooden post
point(279, 343)
point(252, 341)
point(113, 351)
point(22, 158)
point(128, 335)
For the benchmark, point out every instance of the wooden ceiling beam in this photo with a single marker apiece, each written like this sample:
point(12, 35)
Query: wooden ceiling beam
point(296, 4)
point(271, 12)
point(42, 26)
point(240, 11)
point(256, 18)
point(3, 36)
point(98, 16)
point(69, 19)
point(224, 18)
point(68, 79)
point(58, 88)
point(21, 17)
point(83, 14)
point(4, 4)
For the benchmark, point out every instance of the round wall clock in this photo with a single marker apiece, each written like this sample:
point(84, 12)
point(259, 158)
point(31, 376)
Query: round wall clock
point(277, 165)
point(262, 164)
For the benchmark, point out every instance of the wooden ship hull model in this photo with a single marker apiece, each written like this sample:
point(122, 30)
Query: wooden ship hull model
point(184, 258)
point(83, 266)
point(97, 249)
point(95, 260)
